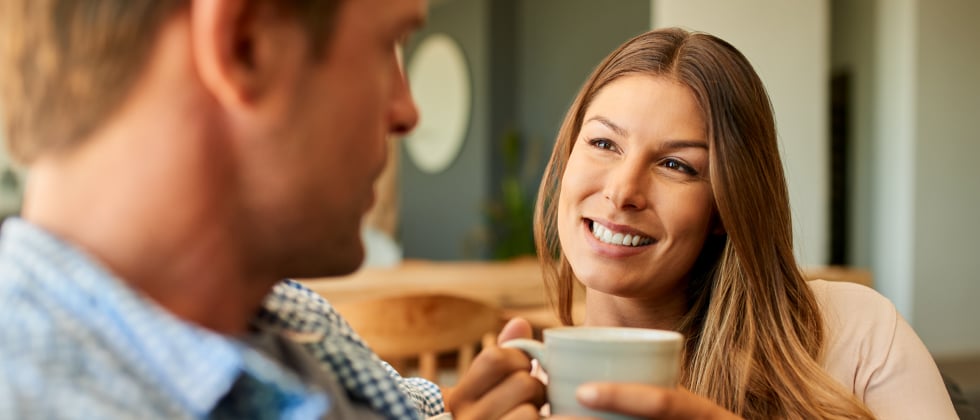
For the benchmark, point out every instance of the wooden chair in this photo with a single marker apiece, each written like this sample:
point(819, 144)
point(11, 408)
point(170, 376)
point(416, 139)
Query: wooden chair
point(423, 326)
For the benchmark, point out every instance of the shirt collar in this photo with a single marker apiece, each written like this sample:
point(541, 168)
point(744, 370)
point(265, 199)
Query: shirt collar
point(194, 365)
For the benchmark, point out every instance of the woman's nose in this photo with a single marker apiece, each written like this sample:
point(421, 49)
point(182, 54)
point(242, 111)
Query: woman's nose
point(627, 186)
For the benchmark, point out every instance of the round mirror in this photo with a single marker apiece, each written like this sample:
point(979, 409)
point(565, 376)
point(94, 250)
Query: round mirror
point(440, 82)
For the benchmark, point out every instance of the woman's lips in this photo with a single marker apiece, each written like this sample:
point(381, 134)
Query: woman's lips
point(615, 241)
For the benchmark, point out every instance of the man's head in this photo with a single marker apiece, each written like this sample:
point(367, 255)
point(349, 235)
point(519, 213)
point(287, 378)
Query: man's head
point(315, 146)
point(66, 65)
point(294, 99)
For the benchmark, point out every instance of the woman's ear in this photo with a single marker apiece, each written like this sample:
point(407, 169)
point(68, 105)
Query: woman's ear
point(234, 47)
point(719, 230)
point(717, 227)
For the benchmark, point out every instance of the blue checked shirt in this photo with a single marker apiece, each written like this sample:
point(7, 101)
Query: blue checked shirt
point(76, 343)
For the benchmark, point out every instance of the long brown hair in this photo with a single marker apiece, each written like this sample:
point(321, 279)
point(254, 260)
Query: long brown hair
point(754, 331)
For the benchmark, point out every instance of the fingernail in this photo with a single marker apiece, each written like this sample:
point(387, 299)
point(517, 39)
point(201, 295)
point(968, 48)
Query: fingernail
point(587, 394)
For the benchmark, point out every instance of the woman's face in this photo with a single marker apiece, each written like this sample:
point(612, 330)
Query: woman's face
point(636, 204)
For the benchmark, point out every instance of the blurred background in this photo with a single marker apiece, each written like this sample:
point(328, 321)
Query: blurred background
point(877, 105)
point(878, 111)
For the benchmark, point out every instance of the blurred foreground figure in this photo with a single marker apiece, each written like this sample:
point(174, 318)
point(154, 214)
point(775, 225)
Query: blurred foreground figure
point(186, 156)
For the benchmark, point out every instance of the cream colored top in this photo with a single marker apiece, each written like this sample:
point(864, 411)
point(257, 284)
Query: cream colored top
point(875, 353)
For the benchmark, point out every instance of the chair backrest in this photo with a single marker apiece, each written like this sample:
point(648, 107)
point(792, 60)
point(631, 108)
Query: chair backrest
point(402, 328)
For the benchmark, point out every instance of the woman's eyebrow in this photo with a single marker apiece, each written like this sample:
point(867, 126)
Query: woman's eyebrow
point(684, 144)
point(667, 145)
point(611, 125)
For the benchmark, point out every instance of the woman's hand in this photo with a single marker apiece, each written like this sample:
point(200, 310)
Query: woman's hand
point(651, 402)
point(499, 383)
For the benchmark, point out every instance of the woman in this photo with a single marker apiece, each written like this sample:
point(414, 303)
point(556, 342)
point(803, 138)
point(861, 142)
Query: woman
point(665, 198)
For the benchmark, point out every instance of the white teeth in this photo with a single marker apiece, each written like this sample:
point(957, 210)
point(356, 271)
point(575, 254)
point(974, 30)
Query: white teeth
point(617, 238)
point(605, 235)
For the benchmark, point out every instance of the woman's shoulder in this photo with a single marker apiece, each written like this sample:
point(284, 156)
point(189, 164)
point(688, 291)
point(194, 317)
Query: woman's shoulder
point(840, 295)
point(860, 328)
point(851, 308)
point(853, 312)
point(871, 350)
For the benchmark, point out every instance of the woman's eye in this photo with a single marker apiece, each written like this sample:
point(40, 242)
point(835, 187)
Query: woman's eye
point(603, 144)
point(676, 165)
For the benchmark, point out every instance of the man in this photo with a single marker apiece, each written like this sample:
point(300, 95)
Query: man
point(184, 157)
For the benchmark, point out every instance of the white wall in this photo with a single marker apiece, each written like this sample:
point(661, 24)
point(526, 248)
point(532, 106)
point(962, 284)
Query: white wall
point(915, 132)
point(875, 42)
point(787, 43)
point(946, 285)
point(893, 149)
point(917, 140)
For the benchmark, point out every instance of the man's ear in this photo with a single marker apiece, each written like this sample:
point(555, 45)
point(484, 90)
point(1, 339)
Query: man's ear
point(233, 43)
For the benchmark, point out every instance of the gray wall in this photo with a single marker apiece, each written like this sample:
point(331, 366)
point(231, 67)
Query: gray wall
point(528, 59)
point(562, 41)
point(442, 213)
point(10, 194)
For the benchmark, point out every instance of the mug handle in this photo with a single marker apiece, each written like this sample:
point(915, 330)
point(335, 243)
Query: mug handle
point(533, 348)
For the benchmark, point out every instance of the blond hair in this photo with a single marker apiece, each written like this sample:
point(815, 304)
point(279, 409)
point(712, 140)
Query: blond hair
point(754, 331)
point(66, 65)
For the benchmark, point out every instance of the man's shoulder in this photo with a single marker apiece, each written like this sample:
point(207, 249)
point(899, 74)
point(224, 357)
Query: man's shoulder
point(54, 364)
point(49, 369)
point(27, 322)
point(35, 334)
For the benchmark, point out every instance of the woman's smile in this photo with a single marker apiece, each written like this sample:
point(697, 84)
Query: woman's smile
point(615, 241)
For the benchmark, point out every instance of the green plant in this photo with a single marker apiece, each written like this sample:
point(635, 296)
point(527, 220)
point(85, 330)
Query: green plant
point(511, 211)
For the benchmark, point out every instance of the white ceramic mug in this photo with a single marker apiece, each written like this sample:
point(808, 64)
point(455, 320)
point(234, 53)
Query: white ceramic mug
point(572, 356)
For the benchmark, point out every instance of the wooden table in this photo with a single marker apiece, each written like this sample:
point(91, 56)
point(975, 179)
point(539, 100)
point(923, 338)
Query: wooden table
point(515, 286)
point(504, 284)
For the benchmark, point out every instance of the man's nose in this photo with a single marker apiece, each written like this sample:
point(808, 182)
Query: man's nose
point(404, 113)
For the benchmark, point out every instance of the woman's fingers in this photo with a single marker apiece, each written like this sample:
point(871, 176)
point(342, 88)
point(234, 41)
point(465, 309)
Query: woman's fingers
point(490, 375)
point(632, 399)
point(650, 401)
point(490, 367)
point(517, 391)
point(499, 383)
point(515, 328)
point(522, 412)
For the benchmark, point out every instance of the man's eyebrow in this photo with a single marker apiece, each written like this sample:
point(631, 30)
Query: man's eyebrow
point(414, 22)
point(611, 125)
point(408, 26)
